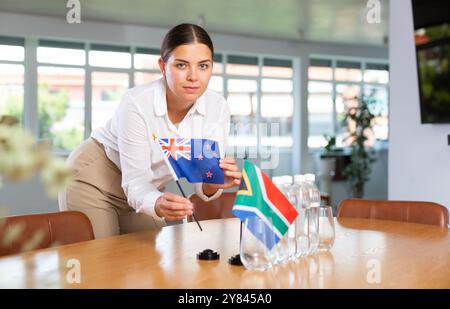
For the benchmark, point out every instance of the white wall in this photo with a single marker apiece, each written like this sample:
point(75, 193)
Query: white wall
point(419, 156)
point(28, 197)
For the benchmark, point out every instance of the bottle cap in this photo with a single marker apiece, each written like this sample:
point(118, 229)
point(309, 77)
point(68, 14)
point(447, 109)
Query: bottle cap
point(287, 179)
point(277, 180)
point(310, 177)
point(299, 178)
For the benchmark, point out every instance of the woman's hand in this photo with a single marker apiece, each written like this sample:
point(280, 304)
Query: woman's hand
point(231, 171)
point(173, 207)
point(232, 176)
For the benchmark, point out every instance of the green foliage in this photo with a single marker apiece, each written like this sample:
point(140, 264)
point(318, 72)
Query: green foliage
point(434, 74)
point(52, 108)
point(359, 169)
point(68, 138)
point(438, 32)
point(331, 143)
point(13, 106)
point(434, 70)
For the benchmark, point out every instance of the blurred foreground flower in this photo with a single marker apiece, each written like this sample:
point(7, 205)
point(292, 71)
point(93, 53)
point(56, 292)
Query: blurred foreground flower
point(21, 157)
point(56, 176)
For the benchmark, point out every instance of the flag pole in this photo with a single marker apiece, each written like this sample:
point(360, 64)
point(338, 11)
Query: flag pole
point(175, 177)
point(240, 235)
point(184, 195)
point(236, 259)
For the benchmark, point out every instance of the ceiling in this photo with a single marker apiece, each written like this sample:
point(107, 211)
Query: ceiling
point(341, 21)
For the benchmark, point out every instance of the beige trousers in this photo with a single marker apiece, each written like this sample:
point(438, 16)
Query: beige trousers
point(97, 192)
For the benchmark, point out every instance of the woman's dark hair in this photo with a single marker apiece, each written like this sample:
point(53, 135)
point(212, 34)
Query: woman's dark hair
point(184, 34)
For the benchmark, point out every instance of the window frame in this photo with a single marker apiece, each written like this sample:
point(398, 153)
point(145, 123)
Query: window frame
point(361, 84)
point(260, 63)
point(31, 65)
point(17, 41)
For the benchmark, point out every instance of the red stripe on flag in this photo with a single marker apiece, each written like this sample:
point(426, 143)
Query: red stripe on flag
point(278, 199)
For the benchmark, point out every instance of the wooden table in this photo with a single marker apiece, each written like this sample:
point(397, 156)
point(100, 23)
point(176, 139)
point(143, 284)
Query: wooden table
point(408, 256)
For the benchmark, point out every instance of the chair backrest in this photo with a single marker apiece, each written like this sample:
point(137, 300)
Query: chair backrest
point(43, 231)
point(219, 208)
point(408, 211)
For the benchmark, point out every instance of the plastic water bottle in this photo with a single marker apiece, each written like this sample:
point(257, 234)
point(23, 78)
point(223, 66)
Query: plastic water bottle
point(281, 249)
point(313, 212)
point(292, 243)
point(302, 203)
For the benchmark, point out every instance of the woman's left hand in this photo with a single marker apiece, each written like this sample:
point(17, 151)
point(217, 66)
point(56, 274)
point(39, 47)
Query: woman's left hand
point(232, 176)
point(231, 171)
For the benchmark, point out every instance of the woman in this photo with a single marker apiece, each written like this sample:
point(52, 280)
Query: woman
point(120, 172)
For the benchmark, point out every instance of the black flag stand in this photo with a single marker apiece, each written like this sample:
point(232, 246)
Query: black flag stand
point(193, 215)
point(236, 259)
point(207, 254)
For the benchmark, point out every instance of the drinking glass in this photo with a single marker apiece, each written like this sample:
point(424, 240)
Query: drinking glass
point(257, 238)
point(326, 228)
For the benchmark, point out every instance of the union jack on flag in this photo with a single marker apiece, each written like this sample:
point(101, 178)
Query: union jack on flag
point(195, 159)
point(176, 147)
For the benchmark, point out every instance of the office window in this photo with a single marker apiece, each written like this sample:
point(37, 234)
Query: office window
point(259, 93)
point(242, 65)
point(61, 56)
point(61, 106)
point(56, 52)
point(216, 80)
point(348, 71)
point(379, 106)
point(11, 52)
point(346, 97)
point(11, 90)
point(146, 59)
point(146, 64)
point(217, 64)
point(61, 88)
point(216, 83)
point(320, 69)
point(334, 85)
point(320, 112)
point(376, 73)
point(108, 89)
point(74, 78)
point(242, 101)
point(141, 78)
point(277, 68)
point(377, 77)
point(277, 107)
point(12, 55)
point(109, 56)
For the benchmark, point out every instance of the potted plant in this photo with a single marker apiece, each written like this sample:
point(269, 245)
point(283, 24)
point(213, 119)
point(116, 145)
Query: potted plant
point(325, 163)
point(359, 121)
point(331, 143)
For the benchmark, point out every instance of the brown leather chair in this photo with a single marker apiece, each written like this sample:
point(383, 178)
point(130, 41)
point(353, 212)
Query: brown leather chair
point(408, 211)
point(59, 228)
point(216, 209)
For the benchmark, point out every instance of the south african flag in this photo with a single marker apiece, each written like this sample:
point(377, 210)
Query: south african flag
point(258, 196)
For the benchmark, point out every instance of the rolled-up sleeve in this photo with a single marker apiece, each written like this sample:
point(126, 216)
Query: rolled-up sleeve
point(134, 154)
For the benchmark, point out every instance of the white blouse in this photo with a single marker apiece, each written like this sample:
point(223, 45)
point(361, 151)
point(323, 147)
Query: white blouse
point(127, 139)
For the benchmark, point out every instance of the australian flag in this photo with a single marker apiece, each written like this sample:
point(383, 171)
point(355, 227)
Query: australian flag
point(195, 159)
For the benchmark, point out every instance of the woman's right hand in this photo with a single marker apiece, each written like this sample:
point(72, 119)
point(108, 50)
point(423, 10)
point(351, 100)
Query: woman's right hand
point(173, 207)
